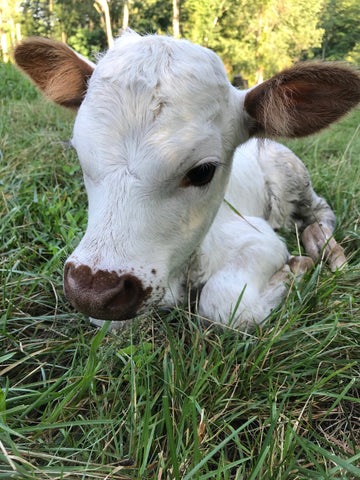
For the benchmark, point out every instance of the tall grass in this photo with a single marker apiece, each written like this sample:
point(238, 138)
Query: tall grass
point(166, 398)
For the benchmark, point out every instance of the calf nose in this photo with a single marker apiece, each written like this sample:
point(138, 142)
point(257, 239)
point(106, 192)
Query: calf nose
point(104, 295)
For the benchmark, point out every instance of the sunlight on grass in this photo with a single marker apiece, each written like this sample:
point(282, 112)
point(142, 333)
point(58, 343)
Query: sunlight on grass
point(167, 398)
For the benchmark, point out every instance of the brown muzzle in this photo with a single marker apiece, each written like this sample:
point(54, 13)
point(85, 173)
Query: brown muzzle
point(104, 295)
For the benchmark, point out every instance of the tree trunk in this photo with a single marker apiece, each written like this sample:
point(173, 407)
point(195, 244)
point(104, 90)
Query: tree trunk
point(176, 18)
point(18, 32)
point(125, 21)
point(4, 47)
point(259, 75)
point(105, 8)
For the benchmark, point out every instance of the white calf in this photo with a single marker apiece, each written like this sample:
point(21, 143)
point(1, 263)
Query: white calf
point(156, 130)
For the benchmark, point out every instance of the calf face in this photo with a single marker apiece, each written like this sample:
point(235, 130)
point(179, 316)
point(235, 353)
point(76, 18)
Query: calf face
point(155, 144)
point(155, 134)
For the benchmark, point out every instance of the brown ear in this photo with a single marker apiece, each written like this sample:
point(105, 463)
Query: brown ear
point(303, 99)
point(55, 69)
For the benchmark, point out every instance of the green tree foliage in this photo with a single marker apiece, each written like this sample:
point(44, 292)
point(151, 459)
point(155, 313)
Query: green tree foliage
point(9, 14)
point(9, 26)
point(354, 55)
point(340, 20)
point(200, 19)
point(36, 18)
point(151, 16)
point(253, 37)
point(81, 24)
point(77, 23)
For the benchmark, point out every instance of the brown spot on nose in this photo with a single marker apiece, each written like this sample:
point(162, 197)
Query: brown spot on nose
point(104, 295)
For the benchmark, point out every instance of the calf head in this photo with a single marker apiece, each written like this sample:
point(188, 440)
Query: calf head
point(156, 127)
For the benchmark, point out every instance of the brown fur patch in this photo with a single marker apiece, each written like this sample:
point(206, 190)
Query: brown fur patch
point(303, 99)
point(55, 69)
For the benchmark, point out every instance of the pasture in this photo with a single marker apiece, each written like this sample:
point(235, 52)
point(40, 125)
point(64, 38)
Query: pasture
point(166, 398)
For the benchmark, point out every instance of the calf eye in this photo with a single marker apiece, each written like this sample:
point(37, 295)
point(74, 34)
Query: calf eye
point(199, 176)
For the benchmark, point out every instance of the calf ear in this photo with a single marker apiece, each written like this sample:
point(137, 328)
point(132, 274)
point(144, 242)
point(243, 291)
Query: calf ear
point(303, 99)
point(57, 70)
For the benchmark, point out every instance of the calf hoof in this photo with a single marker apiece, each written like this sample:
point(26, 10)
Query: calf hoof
point(300, 265)
point(320, 244)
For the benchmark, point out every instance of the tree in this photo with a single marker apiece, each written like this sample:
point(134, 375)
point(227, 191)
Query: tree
point(340, 20)
point(9, 26)
point(125, 22)
point(176, 18)
point(36, 18)
point(255, 38)
point(151, 16)
point(77, 23)
point(200, 19)
point(104, 7)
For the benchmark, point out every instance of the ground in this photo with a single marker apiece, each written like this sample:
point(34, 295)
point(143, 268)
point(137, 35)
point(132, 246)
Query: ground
point(166, 398)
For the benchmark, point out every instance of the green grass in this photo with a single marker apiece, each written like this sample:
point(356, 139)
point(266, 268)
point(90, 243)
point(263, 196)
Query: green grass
point(166, 399)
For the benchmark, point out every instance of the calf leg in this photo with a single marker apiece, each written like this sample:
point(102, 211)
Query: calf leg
point(233, 298)
point(236, 297)
point(294, 201)
point(319, 243)
point(300, 265)
point(245, 272)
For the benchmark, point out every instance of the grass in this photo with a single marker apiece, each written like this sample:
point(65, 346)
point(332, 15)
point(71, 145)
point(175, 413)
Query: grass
point(166, 399)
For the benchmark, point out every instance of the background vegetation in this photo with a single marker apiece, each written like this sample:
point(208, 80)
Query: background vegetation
point(254, 38)
point(165, 398)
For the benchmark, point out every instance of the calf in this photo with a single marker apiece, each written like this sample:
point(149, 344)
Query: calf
point(173, 199)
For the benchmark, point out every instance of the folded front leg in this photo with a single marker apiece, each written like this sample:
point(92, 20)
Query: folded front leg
point(237, 298)
point(230, 297)
point(243, 259)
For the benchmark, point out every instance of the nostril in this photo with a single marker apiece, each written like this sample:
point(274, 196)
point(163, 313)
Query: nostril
point(127, 292)
point(104, 295)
